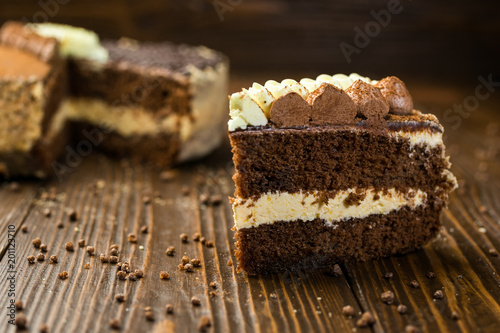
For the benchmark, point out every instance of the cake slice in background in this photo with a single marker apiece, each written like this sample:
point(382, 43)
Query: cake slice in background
point(333, 170)
point(33, 82)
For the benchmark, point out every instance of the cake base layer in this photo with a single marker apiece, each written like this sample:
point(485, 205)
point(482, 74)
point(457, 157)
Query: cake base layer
point(297, 245)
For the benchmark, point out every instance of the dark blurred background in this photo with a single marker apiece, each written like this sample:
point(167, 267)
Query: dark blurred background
point(430, 40)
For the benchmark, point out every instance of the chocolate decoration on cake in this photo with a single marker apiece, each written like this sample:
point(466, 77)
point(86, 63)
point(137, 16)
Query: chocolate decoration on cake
point(290, 110)
point(369, 101)
point(331, 105)
point(397, 95)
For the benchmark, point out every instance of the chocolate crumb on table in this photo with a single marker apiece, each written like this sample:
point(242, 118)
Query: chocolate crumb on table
point(203, 240)
point(411, 329)
point(210, 244)
point(188, 268)
point(114, 246)
point(402, 309)
point(273, 295)
point(63, 275)
point(21, 321)
point(120, 298)
point(212, 294)
point(438, 294)
point(167, 175)
point(31, 259)
point(81, 243)
point(144, 229)
point(40, 257)
point(455, 315)
point(146, 199)
point(387, 297)
point(150, 315)
point(72, 215)
point(104, 258)
point(169, 308)
point(164, 275)
point(47, 212)
point(184, 260)
point(184, 238)
point(121, 275)
point(113, 252)
point(431, 275)
point(132, 238)
point(205, 323)
point(493, 252)
point(91, 250)
point(86, 266)
point(213, 285)
point(366, 319)
point(335, 270)
point(69, 246)
point(197, 237)
point(185, 190)
point(196, 262)
point(24, 229)
point(19, 304)
point(43, 247)
point(53, 259)
point(60, 225)
point(44, 328)
point(203, 199)
point(230, 262)
point(170, 251)
point(195, 301)
point(37, 242)
point(132, 277)
point(414, 284)
point(139, 273)
point(216, 199)
point(388, 275)
point(113, 259)
point(348, 311)
point(115, 324)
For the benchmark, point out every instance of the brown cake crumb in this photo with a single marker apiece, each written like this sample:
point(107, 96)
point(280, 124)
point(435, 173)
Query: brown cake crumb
point(144, 229)
point(81, 243)
point(197, 237)
point(37, 242)
point(87, 265)
point(273, 295)
point(69, 246)
point(113, 252)
point(455, 315)
point(53, 259)
point(411, 329)
point(402, 309)
point(113, 259)
point(184, 260)
point(216, 199)
point(184, 238)
point(24, 229)
point(121, 275)
point(212, 294)
point(493, 252)
point(388, 275)
point(120, 298)
point(19, 304)
point(169, 308)
point(203, 240)
point(438, 294)
point(170, 251)
point(210, 244)
point(180, 267)
point(196, 262)
point(43, 247)
point(188, 267)
point(60, 225)
point(115, 324)
point(230, 262)
point(164, 275)
point(139, 273)
point(204, 324)
point(31, 259)
point(47, 212)
point(185, 190)
point(366, 319)
point(150, 315)
point(63, 275)
point(213, 285)
point(348, 311)
point(115, 247)
point(334, 270)
point(72, 215)
point(21, 321)
point(91, 250)
point(132, 277)
point(431, 275)
point(132, 238)
point(104, 258)
point(387, 297)
point(195, 301)
point(40, 257)
point(146, 199)
point(203, 199)
point(125, 267)
point(44, 328)
point(414, 284)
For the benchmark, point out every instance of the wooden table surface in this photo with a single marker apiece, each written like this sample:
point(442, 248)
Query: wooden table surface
point(109, 198)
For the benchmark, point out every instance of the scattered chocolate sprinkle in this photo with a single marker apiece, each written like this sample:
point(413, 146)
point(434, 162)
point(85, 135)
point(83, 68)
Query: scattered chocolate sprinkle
point(170, 251)
point(216, 199)
point(402, 309)
point(185, 190)
point(37, 242)
point(212, 294)
point(196, 262)
point(387, 297)
point(53, 259)
point(86, 266)
point(69, 246)
point(104, 258)
point(210, 244)
point(204, 324)
point(388, 275)
point(44, 328)
point(213, 285)
point(19, 304)
point(47, 212)
point(72, 215)
point(132, 277)
point(91, 250)
point(188, 267)
point(139, 273)
point(184, 237)
point(21, 321)
point(43, 247)
point(120, 298)
point(132, 238)
point(366, 319)
point(24, 229)
point(169, 308)
point(203, 199)
point(114, 246)
point(195, 301)
point(203, 240)
point(31, 259)
point(150, 315)
point(184, 260)
point(230, 262)
point(348, 311)
point(455, 315)
point(121, 275)
point(81, 243)
point(63, 275)
point(196, 237)
point(414, 284)
point(113, 259)
point(115, 324)
point(144, 229)
point(431, 275)
point(164, 275)
point(493, 252)
point(40, 257)
point(14, 186)
point(411, 329)
point(438, 294)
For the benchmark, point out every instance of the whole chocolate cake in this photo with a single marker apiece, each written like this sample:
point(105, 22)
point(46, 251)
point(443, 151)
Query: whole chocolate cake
point(333, 170)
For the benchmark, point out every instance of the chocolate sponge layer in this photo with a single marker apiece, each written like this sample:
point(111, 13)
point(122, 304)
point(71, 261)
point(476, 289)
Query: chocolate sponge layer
point(298, 245)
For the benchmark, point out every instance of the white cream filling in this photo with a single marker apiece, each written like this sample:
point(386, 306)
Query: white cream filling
point(284, 206)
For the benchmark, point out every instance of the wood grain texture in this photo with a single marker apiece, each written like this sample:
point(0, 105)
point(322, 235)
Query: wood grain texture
point(108, 196)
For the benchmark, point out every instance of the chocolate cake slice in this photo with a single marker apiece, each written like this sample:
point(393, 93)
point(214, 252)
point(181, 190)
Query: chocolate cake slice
point(33, 81)
point(333, 170)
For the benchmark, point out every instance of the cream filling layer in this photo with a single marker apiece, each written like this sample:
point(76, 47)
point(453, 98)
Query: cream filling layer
point(284, 206)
